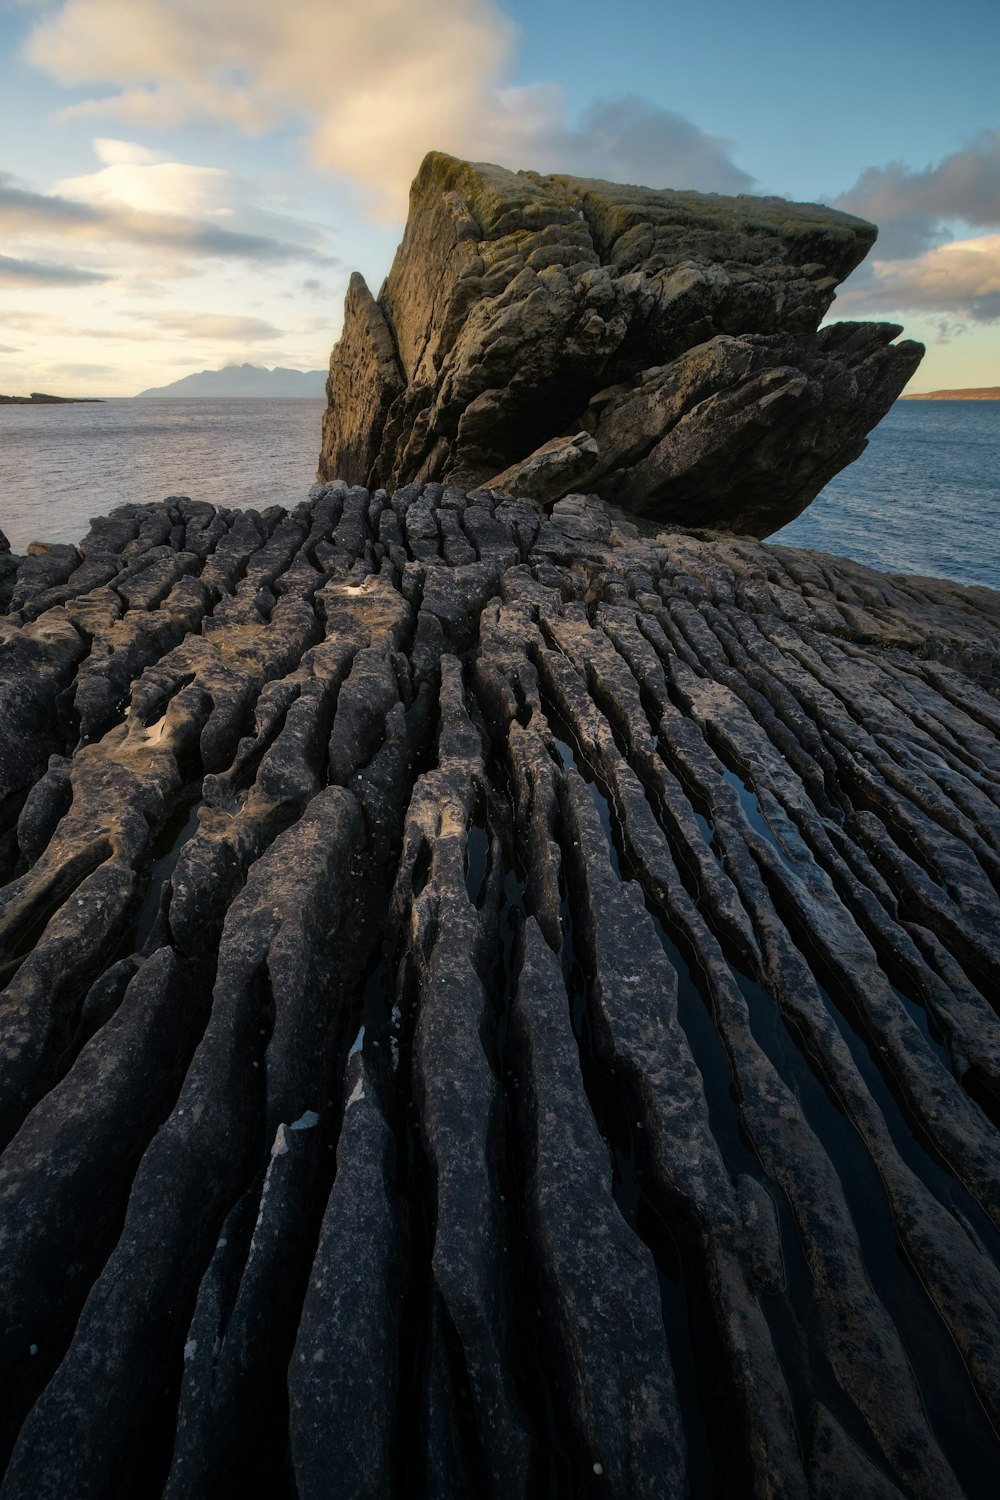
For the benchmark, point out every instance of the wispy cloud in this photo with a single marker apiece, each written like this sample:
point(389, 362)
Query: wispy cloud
point(631, 140)
point(83, 371)
point(925, 261)
point(913, 207)
point(961, 279)
point(408, 78)
point(97, 215)
point(217, 326)
point(40, 273)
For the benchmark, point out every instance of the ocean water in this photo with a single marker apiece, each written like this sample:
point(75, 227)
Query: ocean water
point(60, 465)
point(923, 498)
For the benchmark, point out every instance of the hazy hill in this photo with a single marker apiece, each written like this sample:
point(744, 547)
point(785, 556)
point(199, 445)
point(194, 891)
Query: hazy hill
point(975, 393)
point(245, 380)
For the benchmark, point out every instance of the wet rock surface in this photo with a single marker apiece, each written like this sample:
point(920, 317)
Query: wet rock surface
point(545, 335)
point(495, 1001)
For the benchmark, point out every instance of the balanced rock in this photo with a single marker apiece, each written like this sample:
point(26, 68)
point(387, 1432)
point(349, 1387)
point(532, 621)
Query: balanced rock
point(659, 348)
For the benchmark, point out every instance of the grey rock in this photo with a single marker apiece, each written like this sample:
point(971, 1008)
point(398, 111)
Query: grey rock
point(344, 1375)
point(523, 313)
point(610, 1366)
point(551, 470)
point(492, 991)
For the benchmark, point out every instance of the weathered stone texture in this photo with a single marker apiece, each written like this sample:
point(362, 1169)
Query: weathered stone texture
point(551, 334)
point(495, 1001)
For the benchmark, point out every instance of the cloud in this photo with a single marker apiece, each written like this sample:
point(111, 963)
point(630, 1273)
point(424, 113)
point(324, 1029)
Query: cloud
point(219, 326)
point(29, 322)
point(114, 335)
point(631, 140)
point(34, 273)
point(9, 349)
point(89, 208)
point(115, 153)
point(960, 280)
point(923, 262)
point(84, 371)
point(913, 208)
point(373, 86)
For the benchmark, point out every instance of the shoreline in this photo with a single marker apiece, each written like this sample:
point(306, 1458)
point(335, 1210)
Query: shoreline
point(38, 399)
point(974, 393)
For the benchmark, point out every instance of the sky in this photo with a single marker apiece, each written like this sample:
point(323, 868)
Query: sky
point(185, 185)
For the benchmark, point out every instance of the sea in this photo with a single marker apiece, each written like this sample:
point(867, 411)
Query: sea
point(923, 498)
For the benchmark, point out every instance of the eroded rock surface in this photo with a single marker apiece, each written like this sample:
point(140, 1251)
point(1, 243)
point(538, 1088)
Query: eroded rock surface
point(546, 335)
point(494, 1003)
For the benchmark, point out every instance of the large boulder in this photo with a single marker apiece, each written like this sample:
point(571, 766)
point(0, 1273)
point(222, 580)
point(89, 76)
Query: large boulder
point(677, 331)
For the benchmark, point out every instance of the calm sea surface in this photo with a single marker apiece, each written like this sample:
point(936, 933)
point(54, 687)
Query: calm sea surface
point(60, 465)
point(923, 498)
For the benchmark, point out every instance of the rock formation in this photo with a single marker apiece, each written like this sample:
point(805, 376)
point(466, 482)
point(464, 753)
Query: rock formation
point(546, 335)
point(37, 398)
point(494, 1002)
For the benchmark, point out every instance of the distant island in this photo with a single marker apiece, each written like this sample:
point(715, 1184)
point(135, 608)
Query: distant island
point(39, 398)
point(245, 381)
point(976, 393)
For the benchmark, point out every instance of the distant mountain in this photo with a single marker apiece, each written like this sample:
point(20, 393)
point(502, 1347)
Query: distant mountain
point(975, 393)
point(245, 380)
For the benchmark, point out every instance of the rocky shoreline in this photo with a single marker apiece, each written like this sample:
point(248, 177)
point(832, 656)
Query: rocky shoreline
point(495, 1001)
point(974, 393)
point(37, 398)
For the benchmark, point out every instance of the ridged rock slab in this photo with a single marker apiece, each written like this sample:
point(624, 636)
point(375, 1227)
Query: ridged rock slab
point(494, 1002)
point(546, 335)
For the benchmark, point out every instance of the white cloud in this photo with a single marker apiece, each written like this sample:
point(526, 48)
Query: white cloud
point(631, 140)
point(84, 371)
point(29, 272)
point(964, 186)
point(193, 195)
point(169, 187)
point(112, 152)
point(191, 212)
point(217, 326)
point(924, 262)
point(914, 207)
point(961, 279)
point(374, 86)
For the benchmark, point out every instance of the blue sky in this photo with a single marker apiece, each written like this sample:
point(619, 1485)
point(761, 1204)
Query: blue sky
point(184, 186)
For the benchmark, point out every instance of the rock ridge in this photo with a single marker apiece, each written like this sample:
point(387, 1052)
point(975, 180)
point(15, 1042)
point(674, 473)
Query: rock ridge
point(498, 1000)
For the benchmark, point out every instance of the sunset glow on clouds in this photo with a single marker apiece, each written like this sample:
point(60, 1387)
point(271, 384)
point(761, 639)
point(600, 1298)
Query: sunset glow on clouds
point(961, 278)
point(258, 66)
point(202, 179)
point(439, 69)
